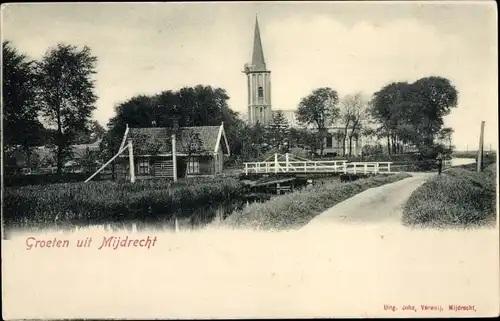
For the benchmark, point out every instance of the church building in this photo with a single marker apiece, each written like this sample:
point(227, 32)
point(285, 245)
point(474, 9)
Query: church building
point(258, 84)
point(260, 107)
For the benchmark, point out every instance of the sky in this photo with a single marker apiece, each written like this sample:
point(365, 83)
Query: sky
point(145, 48)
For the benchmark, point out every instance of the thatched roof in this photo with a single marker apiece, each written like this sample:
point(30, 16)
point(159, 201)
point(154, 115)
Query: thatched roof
point(201, 140)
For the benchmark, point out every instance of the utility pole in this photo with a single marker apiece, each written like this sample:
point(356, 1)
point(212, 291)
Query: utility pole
point(174, 153)
point(480, 152)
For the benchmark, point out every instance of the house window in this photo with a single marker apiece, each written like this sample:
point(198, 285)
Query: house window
point(261, 92)
point(329, 142)
point(143, 166)
point(193, 166)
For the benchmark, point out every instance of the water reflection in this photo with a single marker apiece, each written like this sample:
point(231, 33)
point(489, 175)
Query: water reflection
point(462, 161)
point(181, 220)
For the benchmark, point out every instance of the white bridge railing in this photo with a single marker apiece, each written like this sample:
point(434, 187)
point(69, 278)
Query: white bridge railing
point(308, 166)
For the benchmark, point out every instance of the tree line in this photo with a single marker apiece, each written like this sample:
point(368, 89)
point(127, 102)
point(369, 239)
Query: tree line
point(47, 102)
point(405, 115)
point(50, 103)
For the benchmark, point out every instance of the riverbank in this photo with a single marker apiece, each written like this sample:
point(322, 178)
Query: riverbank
point(294, 210)
point(69, 204)
point(460, 197)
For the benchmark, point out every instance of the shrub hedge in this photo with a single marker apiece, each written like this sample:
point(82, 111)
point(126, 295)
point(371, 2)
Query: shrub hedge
point(458, 198)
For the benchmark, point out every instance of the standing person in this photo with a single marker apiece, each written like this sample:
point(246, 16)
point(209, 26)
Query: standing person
point(440, 163)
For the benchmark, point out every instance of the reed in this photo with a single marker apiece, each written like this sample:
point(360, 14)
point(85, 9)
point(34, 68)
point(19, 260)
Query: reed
point(105, 201)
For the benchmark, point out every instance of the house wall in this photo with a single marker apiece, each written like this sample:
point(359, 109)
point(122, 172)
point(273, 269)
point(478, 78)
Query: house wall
point(333, 145)
point(206, 165)
point(218, 161)
point(162, 167)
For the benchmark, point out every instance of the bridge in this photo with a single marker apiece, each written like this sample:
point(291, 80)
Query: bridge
point(289, 163)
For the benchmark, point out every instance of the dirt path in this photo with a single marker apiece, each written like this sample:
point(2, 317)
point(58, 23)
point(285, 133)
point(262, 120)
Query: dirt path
point(376, 205)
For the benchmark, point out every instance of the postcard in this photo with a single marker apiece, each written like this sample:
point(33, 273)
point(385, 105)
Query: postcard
point(250, 160)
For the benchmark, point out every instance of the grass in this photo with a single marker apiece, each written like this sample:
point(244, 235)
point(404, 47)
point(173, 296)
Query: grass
point(294, 210)
point(459, 198)
point(105, 201)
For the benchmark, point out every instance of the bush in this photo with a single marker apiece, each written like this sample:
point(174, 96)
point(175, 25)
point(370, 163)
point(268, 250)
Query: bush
point(458, 198)
point(296, 209)
point(99, 202)
point(39, 179)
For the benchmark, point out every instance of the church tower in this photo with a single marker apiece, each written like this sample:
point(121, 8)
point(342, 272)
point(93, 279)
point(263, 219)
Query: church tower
point(258, 84)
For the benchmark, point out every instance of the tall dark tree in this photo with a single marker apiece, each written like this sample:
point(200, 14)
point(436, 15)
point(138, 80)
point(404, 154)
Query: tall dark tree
point(190, 106)
point(67, 95)
point(386, 108)
point(320, 110)
point(413, 113)
point(278, 130)
point(20, 111)
point(434, 97)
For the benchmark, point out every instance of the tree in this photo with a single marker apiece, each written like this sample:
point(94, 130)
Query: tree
point(192, 145)
point(20, 111)
point(354, 113)
point(89, 160)
point(445, 138)
point(373, 149)
point(387, 110)
point(413, 113)
point(191, 106)
point(67, 94)
point(320, 110)
point(278, 130)
point(92, 132)
point(303, 138)
point(360, 118)
point(108, 147)
point(434, 97)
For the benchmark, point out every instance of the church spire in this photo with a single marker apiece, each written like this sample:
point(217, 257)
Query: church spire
point(258, 62)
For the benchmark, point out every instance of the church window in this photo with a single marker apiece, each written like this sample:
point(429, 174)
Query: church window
point(261, 92)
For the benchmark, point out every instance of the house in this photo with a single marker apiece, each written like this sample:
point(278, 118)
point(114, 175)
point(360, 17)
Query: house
point(42, 159)
point(200, 151)
point(333, 143)
point(79, 153)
